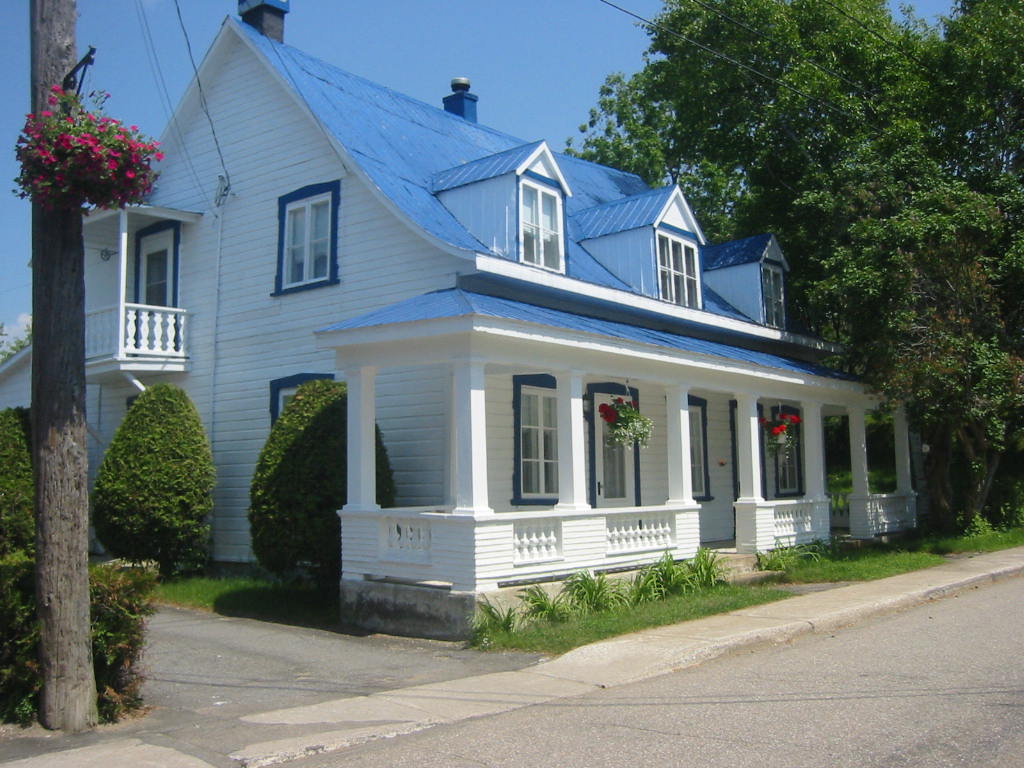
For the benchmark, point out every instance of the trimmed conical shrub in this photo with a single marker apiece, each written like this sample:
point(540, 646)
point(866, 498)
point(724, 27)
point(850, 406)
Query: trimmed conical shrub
point(154, 489)
point(300, 483)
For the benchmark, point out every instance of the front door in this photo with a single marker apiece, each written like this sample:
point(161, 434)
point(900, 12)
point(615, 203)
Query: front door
point(614, 465)
point(156, 269)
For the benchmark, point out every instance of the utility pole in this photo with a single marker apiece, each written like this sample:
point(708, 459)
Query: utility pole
point(68, 699)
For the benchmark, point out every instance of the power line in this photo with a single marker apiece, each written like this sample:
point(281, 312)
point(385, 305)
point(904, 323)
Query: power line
point(165, 98)
point(226, 186)
point(875, 33)
point(735, 62)
point(764, 36)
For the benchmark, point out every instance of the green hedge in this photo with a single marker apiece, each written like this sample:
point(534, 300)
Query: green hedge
point(17, 503)
point(154, 489)
point(121, 599)
point(300, 483)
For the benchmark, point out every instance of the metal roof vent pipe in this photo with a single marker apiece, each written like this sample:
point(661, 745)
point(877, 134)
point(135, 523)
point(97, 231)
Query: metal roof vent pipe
point(265, 16)
point(460, 101)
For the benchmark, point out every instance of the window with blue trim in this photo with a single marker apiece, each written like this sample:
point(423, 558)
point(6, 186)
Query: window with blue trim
point(540, 226)
point(307, 239)
point(789, 479)
point(535, 416)
point(699, 448)
point(283, 390)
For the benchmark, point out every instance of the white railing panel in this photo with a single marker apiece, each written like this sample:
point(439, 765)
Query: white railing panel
point(801, 521)
point(154, 331)
point(101, 333)
point(640, 533)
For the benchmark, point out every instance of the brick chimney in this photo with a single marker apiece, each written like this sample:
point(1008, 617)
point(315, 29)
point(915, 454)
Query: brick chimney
point(460, 101)
point(266, 16)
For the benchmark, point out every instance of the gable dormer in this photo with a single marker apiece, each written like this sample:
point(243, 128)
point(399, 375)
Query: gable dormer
point(651, 241)
point(750, 275)
point(513, 202)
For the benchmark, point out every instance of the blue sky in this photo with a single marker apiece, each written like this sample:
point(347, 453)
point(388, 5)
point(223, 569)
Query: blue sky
point(535, 64)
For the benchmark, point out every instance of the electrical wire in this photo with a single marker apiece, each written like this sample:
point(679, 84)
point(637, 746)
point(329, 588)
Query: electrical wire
point(165, 98)
point(735, 62)
point(203, 104)
point(875, 33)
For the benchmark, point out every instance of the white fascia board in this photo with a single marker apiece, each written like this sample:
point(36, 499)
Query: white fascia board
point(153, 211)
point(347, 160)
point(678, 196)
point(418, 342)
point(543, 149)
point(15, 361)
point(496, 266)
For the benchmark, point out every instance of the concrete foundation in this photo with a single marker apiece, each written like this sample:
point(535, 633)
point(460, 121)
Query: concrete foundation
point(408, 609)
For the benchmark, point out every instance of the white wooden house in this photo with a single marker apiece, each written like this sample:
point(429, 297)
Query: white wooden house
point(482, 296)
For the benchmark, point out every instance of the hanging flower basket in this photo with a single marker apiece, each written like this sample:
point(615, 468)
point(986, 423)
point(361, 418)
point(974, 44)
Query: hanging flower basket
point(780, 433)
point(626, 425)
point(71, 158)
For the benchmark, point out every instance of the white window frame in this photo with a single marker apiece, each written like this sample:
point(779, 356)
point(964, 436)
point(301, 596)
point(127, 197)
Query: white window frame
point(541, 257)
point(773, 294)
point(678, 286)
point(306, 205)
point(542, 460)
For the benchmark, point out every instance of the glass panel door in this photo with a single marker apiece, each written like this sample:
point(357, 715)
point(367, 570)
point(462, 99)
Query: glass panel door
point(613, 464)
point(156, 264)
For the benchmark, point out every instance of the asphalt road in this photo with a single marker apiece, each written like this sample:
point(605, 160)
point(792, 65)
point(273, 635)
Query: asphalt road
point(938, 685)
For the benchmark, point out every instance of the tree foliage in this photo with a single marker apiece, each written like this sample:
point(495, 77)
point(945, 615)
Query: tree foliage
point(888, 156)
point(154, 489)
point(10, 347)
point(300, 483)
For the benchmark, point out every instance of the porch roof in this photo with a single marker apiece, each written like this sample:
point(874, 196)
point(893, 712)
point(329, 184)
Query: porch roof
point(457, 302)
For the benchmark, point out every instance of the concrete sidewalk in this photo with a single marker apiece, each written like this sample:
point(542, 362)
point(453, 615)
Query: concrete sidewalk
point(241, 735)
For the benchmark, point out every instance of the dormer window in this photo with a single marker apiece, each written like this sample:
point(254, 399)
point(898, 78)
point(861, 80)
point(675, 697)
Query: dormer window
point(541, 227)
point(677, 272)
point(771, 288)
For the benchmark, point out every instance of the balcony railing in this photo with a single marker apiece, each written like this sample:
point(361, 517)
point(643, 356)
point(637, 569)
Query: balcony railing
point(148, 333)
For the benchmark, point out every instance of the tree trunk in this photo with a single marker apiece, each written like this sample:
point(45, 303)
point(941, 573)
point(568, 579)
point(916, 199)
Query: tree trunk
point(940, 489)
point(68, 699)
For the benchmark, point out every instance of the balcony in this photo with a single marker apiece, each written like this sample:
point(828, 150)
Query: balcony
point(136, 337)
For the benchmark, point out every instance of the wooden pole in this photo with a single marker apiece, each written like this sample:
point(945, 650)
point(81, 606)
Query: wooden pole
point(68, 699)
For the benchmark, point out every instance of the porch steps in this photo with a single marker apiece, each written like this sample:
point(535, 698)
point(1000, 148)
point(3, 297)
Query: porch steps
point(742, 569)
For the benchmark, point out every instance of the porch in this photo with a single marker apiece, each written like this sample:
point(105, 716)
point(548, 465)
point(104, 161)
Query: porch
point(135, 320)
point(504, 523)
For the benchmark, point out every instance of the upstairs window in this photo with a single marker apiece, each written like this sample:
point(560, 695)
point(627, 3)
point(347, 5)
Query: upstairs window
point(541, 227)
point(677, 272)
point(771, 287)
point(308, 238)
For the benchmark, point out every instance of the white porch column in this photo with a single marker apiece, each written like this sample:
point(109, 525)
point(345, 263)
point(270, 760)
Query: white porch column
point(122, 281)
point(901, 440)
point(748, 448)
point(362, 448)
point(680, 473)
point(860, 525)
point(755, 520)
point(572, 455)
point(816, 490)
point(814, 450)
point(469, 438)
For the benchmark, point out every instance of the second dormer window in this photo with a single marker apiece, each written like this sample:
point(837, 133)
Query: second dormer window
point(774, 303)
point(677, 272)
point(541, 227)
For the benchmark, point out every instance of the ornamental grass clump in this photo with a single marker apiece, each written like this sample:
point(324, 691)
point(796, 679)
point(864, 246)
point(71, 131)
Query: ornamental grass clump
point(626, 425)
point(71, 157)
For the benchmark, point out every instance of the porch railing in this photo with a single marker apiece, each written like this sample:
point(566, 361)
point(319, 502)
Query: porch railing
point(879, 513)
point(771, 523)
point(149, 332)
point(480, 553)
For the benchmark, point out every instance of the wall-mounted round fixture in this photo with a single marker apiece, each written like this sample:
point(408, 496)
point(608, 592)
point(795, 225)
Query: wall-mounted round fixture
point(106, 253)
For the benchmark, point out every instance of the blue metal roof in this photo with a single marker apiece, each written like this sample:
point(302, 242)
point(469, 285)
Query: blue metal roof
point(489, 167)
point(749, 250)
point(624, 214)
point(455, 302)
point(410, 149)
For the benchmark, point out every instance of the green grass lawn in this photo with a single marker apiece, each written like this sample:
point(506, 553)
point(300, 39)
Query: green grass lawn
point(253, 598)
point(559, 637)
